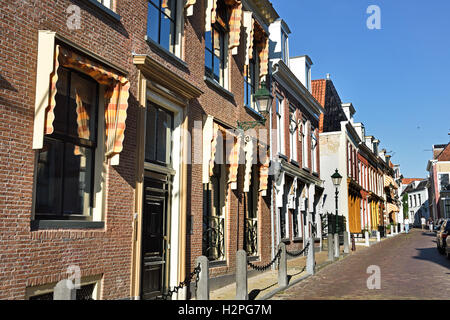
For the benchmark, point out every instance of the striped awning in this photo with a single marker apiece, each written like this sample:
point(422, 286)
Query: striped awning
point(189, 6)
point(250, 156)
point(392, 208)
point(264, 171)
point(116, 95)
point(388, 180)
point(262, 46)
point(233, 160)
point(234, 22)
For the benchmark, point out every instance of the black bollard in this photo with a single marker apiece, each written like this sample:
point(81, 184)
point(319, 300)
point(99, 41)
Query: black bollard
point(353, 243)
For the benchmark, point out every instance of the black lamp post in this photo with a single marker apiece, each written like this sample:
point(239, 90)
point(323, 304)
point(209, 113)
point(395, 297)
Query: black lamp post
point(337, 179)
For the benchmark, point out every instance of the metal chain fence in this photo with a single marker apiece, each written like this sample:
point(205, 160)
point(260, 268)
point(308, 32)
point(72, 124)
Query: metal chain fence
point(266, 267)
point(183, 284)
point(298, 254)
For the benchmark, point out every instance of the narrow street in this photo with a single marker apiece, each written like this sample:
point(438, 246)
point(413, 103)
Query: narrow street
point(410, 265)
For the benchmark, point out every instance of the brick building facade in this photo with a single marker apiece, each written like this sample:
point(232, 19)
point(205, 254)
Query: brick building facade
point(119, 187)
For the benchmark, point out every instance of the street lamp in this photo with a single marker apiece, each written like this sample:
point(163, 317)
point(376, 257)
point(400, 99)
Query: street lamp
point(337, 179)
point(263, 100)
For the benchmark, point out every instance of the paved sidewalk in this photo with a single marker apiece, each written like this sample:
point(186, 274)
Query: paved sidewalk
point(265, 284)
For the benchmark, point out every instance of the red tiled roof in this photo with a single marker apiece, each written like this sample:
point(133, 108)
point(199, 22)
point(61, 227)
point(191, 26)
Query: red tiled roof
point(319, 88)
point(445, 154)
point(408, 181)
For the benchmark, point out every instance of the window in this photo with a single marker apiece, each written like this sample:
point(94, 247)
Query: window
point(313, 151)
point(415, 201)
point(305, 145)
point(159, 128)
point(107, 3)
point(65, 164)
point(420, 200)
point(444, 184)
point(214, 215)
point(447, 208)
point(161, 23)
point(251, 220)
point(280, 125)
point(293, 133)
point(251, 81)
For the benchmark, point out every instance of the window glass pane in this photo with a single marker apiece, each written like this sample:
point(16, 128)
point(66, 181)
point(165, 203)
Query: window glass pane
point(164, 132)
point(150, 141)
point(167, 33)
point(159, 135)
point(49, 179)
point(217, 71)
point(77, 179)
point(208, 63)
point(170, 10)
point(208, 40)
point(60, 111)
point(153, 22)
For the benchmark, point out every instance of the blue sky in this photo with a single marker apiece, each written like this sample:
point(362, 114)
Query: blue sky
point(398, 78)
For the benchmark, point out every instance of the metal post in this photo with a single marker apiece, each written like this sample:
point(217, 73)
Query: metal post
point(241, 275)
point(203, 278)
point(282, 270)
point(64, 290)
point(330, 247)
point(378, 236)
point(310, 260)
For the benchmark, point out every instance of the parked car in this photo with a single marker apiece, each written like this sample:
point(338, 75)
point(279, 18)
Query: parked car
point(441, 236)
point(438, 224)
point(447, 247)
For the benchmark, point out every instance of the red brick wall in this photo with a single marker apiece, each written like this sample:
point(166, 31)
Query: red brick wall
point(29, 258)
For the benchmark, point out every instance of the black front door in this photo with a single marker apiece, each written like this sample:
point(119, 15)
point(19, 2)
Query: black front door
point(154, 235)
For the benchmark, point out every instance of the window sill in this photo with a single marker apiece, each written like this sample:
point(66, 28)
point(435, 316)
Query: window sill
point(166, 53)
point(295, 163)
point(282, 156)
point(254, 112)
point(217, 264)
point(218, 87)
point(286, 240)
point(109, 13)
point(65, 224)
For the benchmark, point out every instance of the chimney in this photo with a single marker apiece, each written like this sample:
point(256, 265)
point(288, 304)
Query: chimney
point(301, 68)
point(349, 111)
point(328, 76)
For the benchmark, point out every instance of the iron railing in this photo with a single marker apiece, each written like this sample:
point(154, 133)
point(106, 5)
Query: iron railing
point(251, 237)
point(214, 238)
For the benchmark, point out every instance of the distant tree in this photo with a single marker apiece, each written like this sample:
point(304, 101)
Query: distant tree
point(405, 206)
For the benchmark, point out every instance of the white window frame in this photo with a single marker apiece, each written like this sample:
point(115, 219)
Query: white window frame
point(46, 47)
point(293, 133)
point(439, 180)
point(280, 125)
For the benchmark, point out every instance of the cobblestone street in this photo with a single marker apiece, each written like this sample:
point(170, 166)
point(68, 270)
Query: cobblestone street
point(411, 268)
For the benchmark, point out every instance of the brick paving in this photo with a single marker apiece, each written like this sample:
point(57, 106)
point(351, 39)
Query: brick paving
point(411, 268)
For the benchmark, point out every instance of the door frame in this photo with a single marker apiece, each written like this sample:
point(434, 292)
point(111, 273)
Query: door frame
point(177, 212)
